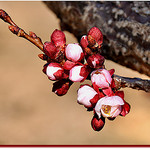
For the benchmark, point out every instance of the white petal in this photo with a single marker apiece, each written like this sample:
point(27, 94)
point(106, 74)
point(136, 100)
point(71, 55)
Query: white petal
point(74, 74)
point(85, 94)
point(73, 52)
point(51, 70)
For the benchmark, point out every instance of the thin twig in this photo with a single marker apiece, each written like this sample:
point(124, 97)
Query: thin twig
point(134, 83)
point(32, 37)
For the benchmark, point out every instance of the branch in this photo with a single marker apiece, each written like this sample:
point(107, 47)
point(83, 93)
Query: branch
point(32, 37)
point(135, 83)
point(125, 26)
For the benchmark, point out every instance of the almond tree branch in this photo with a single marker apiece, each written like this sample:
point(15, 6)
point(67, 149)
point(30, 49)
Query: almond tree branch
point(135, 83)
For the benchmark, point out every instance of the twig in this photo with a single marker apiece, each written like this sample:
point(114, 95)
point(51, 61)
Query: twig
point(32, 37)
point(134, 83)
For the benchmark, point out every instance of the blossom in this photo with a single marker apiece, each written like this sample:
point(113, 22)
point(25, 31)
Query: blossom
point(54, 71)
point(97, 123)
point(101, 78)
point(74, 52)
point(97, 35)
point(84, 42)
point(79, 73)
point(55, 48)
point(109, 106)
point(50, 49)
point(58, 38)
point(87, 96)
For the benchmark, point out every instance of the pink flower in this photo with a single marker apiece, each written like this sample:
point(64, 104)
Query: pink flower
point(109, 106)
point(97, 123)
point(87, 96)
point(101, 78)
point(79, 73)
point(58, 38)
point(95, 61)
point(74, 52)
point(54, 71)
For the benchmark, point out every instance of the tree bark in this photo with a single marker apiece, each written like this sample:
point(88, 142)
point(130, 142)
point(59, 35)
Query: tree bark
point(125, 26)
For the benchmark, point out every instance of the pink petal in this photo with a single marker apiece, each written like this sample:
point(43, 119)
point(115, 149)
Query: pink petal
point(74, 52)
point(107, 75)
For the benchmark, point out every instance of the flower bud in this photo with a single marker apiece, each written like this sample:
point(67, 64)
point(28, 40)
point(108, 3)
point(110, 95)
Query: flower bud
point(58, 38)
point(97, 35)
point(101, 78)
point(84, 42)
point(109, 106)
point(74, 52)
point(97, 123)
point(87, 96)
point(61, 87)
point(95, 61)
point(50, 49)
point(54, 71)
point(79, 73)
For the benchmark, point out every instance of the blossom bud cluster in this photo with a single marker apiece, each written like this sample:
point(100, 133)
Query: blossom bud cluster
point(69, 63)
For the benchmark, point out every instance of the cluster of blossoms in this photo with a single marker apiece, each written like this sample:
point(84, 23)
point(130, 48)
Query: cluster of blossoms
point(69, 63)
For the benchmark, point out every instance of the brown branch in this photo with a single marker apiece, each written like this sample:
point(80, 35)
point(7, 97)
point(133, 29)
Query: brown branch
point(135, 83)
point(32, 37)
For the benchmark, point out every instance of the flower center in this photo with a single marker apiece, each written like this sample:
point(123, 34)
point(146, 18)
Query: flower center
point(96, 72)
point(106, 109)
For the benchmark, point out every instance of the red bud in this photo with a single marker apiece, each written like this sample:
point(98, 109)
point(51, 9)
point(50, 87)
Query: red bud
point(61, 87)
point(97, 124)
point(50, 49)
point(58, 38)
point(96, 34)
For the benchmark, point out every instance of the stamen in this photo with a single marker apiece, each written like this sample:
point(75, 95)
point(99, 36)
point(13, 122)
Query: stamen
point(106, 109)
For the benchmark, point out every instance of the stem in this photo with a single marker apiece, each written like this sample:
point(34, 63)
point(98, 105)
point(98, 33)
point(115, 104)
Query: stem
point(32, 37)
point(134, 83)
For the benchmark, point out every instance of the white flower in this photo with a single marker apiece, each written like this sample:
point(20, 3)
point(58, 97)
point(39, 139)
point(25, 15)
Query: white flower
point(101, 77)
point(85, 94)
point(109, 106)
point(74, 52)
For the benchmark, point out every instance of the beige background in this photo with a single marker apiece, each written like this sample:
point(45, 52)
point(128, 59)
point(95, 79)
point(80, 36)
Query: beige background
point(31, 114)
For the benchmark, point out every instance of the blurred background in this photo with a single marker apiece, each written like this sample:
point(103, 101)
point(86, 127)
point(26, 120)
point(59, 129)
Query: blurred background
point(31, 114)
